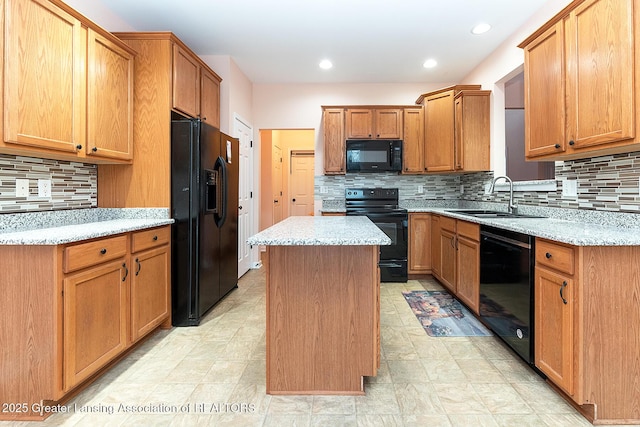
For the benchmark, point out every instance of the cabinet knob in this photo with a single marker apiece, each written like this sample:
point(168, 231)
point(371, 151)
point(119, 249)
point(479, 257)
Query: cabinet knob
point(548, 255)
point(79, 147)
point(155, 238)
point(204, 118)
point(103, 251)
point(557, 145)
point(94, 149)
point(572, 142)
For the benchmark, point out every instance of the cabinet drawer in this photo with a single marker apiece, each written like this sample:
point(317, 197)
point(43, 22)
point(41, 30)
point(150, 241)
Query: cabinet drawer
point(469, 230)
point(553, 255)
point(447, 223)
point(149, 238)
point(92, 253)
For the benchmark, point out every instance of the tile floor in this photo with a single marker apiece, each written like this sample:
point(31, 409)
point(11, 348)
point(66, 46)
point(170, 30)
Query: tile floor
point(221, 364)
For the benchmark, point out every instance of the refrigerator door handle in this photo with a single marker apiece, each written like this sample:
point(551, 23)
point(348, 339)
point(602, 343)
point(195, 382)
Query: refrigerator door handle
point(221, 215)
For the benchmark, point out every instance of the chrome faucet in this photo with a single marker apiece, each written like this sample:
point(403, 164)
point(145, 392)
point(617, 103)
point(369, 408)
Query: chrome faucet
point(512, 206)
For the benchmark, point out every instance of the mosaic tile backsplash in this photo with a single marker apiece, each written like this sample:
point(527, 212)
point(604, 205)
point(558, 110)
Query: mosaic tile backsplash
point(608, 183)
point(73, 185)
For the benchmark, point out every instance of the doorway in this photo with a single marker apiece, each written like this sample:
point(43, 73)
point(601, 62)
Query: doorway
point(287, 173)
point(246, 211)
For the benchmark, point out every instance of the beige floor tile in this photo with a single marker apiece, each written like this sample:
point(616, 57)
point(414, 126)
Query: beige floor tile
point(189, 371)
point(379, 399)
point(334, 405)
point(225, 371)
point(407, 371)
point(502, 399)
point(333, 421)
point(542, 399)
point(508, 420)
point(427, 420)
point(418, 398)
point(444, 371)
point(480, 371)
point(480, 420)
point(207, 397)
point(254, 373)
point(279, 420)
point(379, 420)
point(459, 398)
point(400, 352)
point(290, 405)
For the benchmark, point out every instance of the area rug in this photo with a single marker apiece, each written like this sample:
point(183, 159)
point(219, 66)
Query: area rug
point(441, 315)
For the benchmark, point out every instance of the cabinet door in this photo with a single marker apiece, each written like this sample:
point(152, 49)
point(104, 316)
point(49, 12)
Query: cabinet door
point(439, 132)
point(150, 283)
point(419, 243)
point(44, 76)
point(468, 263)
point(334, 141)
point(436, 258)
point(186, 82)
point(412, 145)
point(544, 101)
point(449, 259)
point(109, 99)
point(359, 123)
point(600, 64)
point(388, 123)
point(209, 98)
point(554, 349)
point(95, 320)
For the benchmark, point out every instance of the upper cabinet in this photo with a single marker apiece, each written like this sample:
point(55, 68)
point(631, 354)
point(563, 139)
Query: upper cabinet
point(412, 145)
point(68, 85)
point(334, 141)
point(580, 68)
point(456, 129)
point(168, 77)
point(373, 123)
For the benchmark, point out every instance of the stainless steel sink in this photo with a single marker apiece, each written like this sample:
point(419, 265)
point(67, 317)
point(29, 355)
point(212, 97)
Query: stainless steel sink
point(480, 213)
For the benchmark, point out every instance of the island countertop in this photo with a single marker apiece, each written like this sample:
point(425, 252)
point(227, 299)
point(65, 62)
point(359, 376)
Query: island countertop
point(322, 231)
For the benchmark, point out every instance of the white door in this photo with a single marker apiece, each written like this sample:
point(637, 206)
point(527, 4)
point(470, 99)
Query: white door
point(301, 183)
point(244, 133)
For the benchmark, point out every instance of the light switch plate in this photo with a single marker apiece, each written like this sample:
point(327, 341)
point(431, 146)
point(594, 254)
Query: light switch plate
point(22, 187)
point(44, 188)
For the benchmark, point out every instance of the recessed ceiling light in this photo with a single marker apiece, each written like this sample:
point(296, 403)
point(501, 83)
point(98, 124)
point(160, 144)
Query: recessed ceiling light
point(430, 63)
point(480, 28)
point(325, 64)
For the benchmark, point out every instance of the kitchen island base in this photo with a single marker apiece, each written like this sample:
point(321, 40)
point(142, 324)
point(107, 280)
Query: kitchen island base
point(323, 318)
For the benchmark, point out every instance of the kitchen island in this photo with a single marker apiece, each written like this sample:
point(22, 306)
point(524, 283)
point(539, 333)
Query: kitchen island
point(323, 304)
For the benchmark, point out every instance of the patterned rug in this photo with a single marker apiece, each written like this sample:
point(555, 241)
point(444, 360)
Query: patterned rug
point(441, 315)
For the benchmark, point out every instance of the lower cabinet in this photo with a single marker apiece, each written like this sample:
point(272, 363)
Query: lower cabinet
point(419, 243)
point(456, 258)
point(95, 319)
point(70, 310)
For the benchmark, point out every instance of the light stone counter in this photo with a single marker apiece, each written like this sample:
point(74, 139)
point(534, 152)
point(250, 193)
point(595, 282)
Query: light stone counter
point(60, 227)
point(322, 231)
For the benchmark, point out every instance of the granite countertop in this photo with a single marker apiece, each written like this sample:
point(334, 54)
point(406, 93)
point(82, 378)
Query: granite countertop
point(560, 230)
point(322, 231)
point(60, 227)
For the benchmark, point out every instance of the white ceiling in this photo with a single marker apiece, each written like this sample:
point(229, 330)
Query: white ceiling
point(368, 41)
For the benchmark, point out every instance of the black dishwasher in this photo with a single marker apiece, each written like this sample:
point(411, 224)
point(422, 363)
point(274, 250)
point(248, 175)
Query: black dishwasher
point(506, 287)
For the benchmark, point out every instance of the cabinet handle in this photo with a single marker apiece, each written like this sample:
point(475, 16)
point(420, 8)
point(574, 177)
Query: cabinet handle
point(79, 147)
point(155, 238)
point(564, 285)
point(548, 255)
point(126, 271)
point(557, 145)
point(204, 118)
point(138, 265)
point(94, 149)
point(103, 251)
point(572, 142)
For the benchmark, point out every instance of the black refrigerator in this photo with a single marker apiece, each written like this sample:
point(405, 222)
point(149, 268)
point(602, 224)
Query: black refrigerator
point(204, 204)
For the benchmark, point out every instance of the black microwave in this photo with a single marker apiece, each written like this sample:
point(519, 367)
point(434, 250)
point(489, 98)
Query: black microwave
point(374, 155)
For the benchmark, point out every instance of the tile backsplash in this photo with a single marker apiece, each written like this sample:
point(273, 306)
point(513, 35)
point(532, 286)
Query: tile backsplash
point(608, 183)
point(73, 185)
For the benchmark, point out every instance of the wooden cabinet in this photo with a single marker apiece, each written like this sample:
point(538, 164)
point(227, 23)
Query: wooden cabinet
point(456, 258)
point(468, 264)
point(413, 143)
point(86, 304)
point(584, 304)
point(448, 253)
point(580, 95)
point(68, 85)
point(150, 280)
point(334, 141)
point(419, 243)
point(456, 129)
point(373, 123)
point(168, 76)
point(95, 319)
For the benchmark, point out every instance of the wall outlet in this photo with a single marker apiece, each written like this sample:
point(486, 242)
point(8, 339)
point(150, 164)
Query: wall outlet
point(44, 188)
point(570, 188)
point(420, 189)
point(323, 190)
point(22, 187)
point(461, 188)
